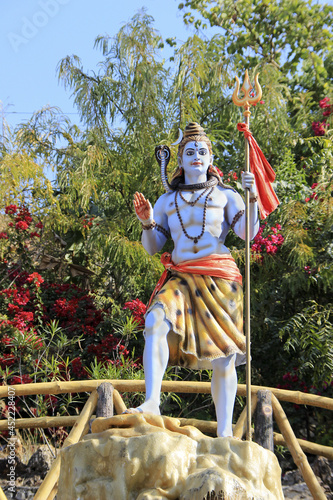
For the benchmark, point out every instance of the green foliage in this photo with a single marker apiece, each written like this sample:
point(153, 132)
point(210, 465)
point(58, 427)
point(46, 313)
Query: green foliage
point(292, 183)
point(310, 334)
point(290, 35)
point(126, 371)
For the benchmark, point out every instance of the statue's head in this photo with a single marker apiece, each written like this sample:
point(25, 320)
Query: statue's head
point(193, 133)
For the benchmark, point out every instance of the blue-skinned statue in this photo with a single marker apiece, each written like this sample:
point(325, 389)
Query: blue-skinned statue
point(195, 318)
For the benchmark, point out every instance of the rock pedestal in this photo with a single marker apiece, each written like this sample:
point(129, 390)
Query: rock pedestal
point(147, 457)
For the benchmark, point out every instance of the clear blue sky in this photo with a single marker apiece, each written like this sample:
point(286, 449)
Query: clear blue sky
point(36, 34)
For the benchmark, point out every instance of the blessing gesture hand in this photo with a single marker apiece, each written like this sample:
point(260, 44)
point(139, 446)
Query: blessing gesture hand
point(142, 206)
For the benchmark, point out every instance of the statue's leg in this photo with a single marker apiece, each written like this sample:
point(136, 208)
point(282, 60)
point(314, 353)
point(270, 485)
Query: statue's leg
point(155, 359)
point(224, 389)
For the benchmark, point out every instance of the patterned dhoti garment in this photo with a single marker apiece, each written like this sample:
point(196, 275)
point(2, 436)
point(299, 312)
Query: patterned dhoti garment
point(205, 310)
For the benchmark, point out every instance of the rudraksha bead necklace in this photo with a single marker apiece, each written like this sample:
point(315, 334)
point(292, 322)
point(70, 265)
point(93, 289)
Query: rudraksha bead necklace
point(192, 203)
point(195, 239)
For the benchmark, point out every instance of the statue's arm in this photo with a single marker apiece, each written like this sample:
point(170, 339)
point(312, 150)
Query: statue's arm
point(236, 208)
point(154, 222)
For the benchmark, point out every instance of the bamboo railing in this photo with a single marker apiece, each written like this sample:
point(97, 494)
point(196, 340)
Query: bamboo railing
point(80, 424)
point(60, 387)
point(2, 495)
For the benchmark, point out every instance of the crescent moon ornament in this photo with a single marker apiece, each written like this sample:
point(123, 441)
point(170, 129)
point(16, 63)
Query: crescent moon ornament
point(180, 138)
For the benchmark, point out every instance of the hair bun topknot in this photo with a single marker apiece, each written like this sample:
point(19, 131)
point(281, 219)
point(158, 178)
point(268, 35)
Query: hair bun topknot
point(193, 128)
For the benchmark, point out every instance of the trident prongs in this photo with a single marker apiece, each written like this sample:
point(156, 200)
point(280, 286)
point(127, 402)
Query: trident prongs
point(249, 98)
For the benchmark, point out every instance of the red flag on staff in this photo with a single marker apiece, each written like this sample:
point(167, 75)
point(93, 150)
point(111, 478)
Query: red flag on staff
point(263, 173)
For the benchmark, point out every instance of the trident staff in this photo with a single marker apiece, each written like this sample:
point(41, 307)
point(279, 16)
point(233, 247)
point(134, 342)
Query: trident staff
point(248, 100)
point(267, 200)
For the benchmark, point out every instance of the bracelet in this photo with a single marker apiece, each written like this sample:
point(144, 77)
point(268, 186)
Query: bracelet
point(236, 218)
point(149, 226)
point(163, 231)
point(254, 199)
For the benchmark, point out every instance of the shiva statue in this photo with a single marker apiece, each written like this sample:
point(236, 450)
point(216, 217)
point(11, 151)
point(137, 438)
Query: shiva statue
point(195, 317)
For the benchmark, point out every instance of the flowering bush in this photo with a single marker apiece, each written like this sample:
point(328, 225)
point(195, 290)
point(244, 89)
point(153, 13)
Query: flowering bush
point(314, 195)
point(319, 128)
point(268, 244)
point(138, 309)
point(29, 349)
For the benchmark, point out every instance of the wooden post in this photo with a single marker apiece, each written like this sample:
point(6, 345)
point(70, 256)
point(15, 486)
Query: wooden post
point(263, 427)
point(297, 453)
point(105, 400)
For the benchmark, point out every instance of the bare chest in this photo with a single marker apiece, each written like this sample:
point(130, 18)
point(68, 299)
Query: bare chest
point(196, 212)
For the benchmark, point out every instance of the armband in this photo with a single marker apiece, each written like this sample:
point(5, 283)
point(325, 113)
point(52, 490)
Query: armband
point(236, 218)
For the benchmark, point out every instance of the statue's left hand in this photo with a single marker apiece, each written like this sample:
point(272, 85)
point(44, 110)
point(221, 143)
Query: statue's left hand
point(248, 182)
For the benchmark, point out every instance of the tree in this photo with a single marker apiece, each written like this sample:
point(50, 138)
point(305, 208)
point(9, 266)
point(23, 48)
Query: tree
point(294, 36)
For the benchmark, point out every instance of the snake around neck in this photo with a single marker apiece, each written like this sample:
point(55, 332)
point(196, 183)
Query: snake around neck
point(195, 187)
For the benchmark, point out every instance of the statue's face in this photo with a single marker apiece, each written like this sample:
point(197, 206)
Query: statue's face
point(196, 157)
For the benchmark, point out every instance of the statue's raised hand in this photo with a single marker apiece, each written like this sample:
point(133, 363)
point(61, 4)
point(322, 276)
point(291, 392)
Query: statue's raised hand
point(142, 207)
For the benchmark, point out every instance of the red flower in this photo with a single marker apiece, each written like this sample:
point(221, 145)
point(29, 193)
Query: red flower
point(271, 243)
point(7, 360)
point(3, 236)
point(324, 103)
point(319, 128)
point(22, 225)
point(13, 309)
point(39, 225)
point(78, 370)
point(26, 316)
point(33, 235)
point(11, 209)
point(22, 298)
point(35, 278)
point(66, 308)
point(138, 309)
point(24, 379)
point(6, 340)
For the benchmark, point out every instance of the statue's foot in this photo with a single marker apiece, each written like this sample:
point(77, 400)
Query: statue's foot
point(147, 407)
point(132, 411)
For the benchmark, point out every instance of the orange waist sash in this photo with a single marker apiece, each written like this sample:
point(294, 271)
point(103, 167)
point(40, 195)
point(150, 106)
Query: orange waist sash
point(219, 266)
